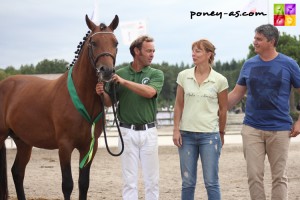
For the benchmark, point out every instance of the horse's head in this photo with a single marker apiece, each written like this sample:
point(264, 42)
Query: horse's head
point(102, 48)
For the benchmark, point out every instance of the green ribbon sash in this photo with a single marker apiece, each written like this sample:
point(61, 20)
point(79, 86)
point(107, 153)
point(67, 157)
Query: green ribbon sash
point(81, 109)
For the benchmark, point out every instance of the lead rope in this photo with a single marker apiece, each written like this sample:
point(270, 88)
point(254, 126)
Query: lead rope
point(117, 124)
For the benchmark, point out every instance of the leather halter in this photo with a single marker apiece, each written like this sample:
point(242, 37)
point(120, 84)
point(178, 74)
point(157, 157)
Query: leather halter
point(94, 59)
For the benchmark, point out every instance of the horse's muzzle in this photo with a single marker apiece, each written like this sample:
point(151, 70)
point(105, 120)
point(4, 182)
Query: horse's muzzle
point(105, 73)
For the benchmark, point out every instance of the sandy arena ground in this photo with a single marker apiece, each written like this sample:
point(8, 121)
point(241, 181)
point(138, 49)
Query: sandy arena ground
point(43, 177)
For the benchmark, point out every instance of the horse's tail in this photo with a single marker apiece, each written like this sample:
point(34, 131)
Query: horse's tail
point(3, 174)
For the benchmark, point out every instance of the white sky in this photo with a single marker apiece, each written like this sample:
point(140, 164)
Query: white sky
point(33, 30)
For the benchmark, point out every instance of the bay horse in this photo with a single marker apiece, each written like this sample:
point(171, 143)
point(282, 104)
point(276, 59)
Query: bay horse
point(58, 114)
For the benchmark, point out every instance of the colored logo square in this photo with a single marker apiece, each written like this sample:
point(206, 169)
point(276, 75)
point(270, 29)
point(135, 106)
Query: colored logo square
point(285, 14)
point(278, 20)
point(278, 9)
point(290, 20)
point(290, 9)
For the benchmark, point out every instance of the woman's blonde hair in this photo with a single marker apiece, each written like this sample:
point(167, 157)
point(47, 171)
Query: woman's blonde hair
point(208, 47)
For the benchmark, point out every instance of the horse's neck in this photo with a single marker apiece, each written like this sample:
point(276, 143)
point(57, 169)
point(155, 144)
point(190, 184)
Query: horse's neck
point(85, 81)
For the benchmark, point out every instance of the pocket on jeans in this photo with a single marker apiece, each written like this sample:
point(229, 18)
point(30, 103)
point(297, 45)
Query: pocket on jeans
point(244, 127)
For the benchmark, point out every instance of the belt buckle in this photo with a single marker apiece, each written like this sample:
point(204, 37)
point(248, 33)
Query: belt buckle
point(139, 127)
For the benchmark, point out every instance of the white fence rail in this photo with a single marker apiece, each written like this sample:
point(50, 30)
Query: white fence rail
point(163, 119)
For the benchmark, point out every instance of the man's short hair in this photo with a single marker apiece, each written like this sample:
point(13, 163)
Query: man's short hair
point(270, 32)
point(138, 43)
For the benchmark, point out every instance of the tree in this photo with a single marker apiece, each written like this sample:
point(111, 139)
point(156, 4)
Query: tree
point(3, 75)
point(51, 67)
point(10, 70)
point(27, 69)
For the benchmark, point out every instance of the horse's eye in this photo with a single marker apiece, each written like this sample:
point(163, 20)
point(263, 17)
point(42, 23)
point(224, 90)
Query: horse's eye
point(94, 44)
point(117, 44)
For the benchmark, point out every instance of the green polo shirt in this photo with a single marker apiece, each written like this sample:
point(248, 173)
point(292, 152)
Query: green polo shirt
point(200, 113)
point(135, 109)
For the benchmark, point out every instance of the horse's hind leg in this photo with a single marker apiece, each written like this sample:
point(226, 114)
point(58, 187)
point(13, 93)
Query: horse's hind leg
point(3, 172)
point(18, 168)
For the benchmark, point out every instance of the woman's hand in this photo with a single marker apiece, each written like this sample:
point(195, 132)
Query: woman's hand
point(177, 140)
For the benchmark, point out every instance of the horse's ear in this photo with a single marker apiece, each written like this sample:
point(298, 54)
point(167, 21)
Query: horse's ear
point(114, 24)
point(89, 23)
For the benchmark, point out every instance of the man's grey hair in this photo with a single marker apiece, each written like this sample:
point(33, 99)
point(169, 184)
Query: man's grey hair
point(270, 32)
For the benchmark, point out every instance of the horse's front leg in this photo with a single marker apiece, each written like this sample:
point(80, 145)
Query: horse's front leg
point(66, 172)
point(84, 181)
point(18, 168)
point(84, 174)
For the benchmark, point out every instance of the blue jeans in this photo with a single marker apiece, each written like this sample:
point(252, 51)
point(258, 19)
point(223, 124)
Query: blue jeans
point(208, 146)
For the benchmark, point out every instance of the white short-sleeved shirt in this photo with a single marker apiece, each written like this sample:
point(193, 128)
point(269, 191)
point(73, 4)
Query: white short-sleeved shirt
point(200, 113)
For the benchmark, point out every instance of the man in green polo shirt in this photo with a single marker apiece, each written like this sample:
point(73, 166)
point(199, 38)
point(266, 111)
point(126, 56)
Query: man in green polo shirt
point(137, 92)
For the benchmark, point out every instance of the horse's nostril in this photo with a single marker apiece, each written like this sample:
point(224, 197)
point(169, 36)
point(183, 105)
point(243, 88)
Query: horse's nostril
point(106, 70)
